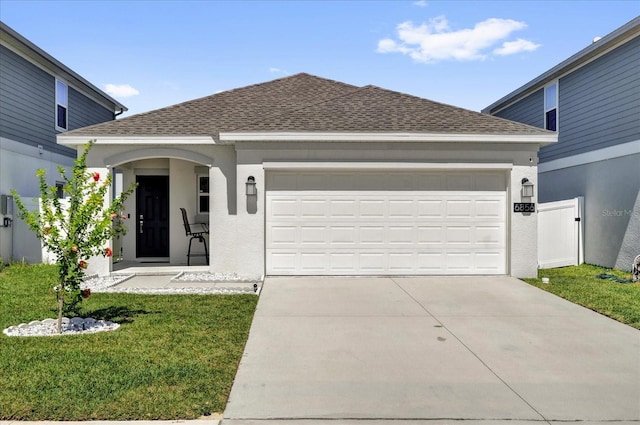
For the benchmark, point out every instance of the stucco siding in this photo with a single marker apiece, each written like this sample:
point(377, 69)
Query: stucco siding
point(237, 221)
point(529, 110)
point(611, 191)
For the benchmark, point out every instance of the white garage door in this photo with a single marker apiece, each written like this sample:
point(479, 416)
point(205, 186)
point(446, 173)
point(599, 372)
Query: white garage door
point(381, 223)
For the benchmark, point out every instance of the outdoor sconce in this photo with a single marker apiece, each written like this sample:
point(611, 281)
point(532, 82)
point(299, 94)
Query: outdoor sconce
point(6, 204)
point(527, 188)
point(251, 186)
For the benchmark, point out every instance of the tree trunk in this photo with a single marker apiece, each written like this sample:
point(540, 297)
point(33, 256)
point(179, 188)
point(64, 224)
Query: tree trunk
point(60, 306)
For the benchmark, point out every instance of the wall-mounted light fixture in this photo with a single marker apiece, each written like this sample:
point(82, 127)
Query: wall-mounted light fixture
point(527, 188)
point(251, 186)
point(6, 204)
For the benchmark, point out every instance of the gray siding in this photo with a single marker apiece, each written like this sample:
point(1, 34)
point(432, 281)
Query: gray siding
point(599, 104)
point(27, 106)
point(84, 111)
point(529, 110)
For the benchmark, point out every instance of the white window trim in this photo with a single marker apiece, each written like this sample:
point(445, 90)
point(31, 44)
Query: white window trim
point(201, 194)
point(557, 104)
point(66, 106)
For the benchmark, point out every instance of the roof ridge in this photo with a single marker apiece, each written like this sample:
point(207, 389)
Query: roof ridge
point(301, 108)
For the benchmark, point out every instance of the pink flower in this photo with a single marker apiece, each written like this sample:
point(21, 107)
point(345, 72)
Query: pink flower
point(96, 176)
point(113, 215)
point(124, 217)
point(108, 252)
point(83, 264)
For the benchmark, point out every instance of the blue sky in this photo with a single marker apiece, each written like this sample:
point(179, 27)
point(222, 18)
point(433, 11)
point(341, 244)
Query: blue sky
point(151, 54)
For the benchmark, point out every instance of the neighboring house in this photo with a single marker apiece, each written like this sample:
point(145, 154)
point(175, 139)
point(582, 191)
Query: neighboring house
point(39, 99)
point(592, 100)
point(348, 180)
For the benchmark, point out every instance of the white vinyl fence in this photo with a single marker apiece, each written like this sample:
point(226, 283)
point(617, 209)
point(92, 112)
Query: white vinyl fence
point(560, 233)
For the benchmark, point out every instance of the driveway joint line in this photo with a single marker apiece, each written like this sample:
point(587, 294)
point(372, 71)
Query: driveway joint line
point(470, 350)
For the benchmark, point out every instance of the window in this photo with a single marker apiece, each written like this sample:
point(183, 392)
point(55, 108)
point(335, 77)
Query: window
point(203, 194)
point(62, 99)
point(551, 107)
point(60, 189)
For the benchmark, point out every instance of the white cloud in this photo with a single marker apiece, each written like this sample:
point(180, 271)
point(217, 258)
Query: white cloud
point(513, 47)
point(435, 41)
point(420, 3)
point(120, 90)
point(278, 71)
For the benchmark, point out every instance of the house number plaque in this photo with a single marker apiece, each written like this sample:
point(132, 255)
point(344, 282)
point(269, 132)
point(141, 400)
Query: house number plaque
point(524, 207)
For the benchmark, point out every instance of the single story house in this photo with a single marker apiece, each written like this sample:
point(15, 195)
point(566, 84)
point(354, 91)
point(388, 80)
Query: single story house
point(308, 176)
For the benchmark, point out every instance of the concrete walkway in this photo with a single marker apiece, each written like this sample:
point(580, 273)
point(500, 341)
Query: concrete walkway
point(431, 350)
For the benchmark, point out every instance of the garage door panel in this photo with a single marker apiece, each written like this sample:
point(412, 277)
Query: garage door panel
point(313, 262)
point(373, 262)
point(489, 262)
point(401, 235)
point(372, 235)
point(282, 262)
point(343, 262)
point(457, 235)
point(313, 235)
point(401, 209)
point(343, 235)
point(456, 209)
point(431, 235)
point(489, 235)
point(313, 208)
point(373, 209)
point(431, 209)
point(330, 228)
point(284, 235)
point(283, 208)
point(489, 208)
point(460, 262)
point(401, 262)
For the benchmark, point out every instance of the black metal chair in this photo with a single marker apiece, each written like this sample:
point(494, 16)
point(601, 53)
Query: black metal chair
point(189, 229)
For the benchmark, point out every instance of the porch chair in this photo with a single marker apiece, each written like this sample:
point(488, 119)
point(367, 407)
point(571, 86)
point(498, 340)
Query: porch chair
point(189, 229)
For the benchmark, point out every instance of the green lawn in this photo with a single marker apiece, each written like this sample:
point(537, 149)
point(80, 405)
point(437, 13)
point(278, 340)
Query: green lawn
point(174, 356)
point(581, 285)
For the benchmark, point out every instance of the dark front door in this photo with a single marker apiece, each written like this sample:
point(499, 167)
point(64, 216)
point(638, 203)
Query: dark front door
point(152, 216)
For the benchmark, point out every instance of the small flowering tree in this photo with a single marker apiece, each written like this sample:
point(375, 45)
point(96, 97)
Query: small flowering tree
point(75, 232)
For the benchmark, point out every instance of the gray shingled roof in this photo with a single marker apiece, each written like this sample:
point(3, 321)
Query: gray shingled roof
point(306, 103)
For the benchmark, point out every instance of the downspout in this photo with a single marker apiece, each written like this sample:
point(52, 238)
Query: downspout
point(119, 113)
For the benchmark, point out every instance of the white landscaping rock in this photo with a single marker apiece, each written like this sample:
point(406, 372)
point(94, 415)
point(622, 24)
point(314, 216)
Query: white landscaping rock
point(49, 327)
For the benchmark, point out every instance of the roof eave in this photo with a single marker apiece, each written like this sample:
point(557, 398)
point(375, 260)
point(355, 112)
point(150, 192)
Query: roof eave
point(75, 141)
point(542, 138)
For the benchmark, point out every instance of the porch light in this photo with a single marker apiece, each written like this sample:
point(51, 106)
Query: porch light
point(527, 188)
point(251, 186)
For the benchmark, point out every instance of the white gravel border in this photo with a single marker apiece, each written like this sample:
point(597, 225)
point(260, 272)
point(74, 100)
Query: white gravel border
point(49, 327)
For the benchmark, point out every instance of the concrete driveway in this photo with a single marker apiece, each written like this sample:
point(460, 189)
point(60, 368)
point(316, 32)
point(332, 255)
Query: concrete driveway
point(431, 349)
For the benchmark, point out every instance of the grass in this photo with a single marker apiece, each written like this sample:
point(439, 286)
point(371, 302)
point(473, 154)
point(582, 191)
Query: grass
point(581, 285)
point(174, 356)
